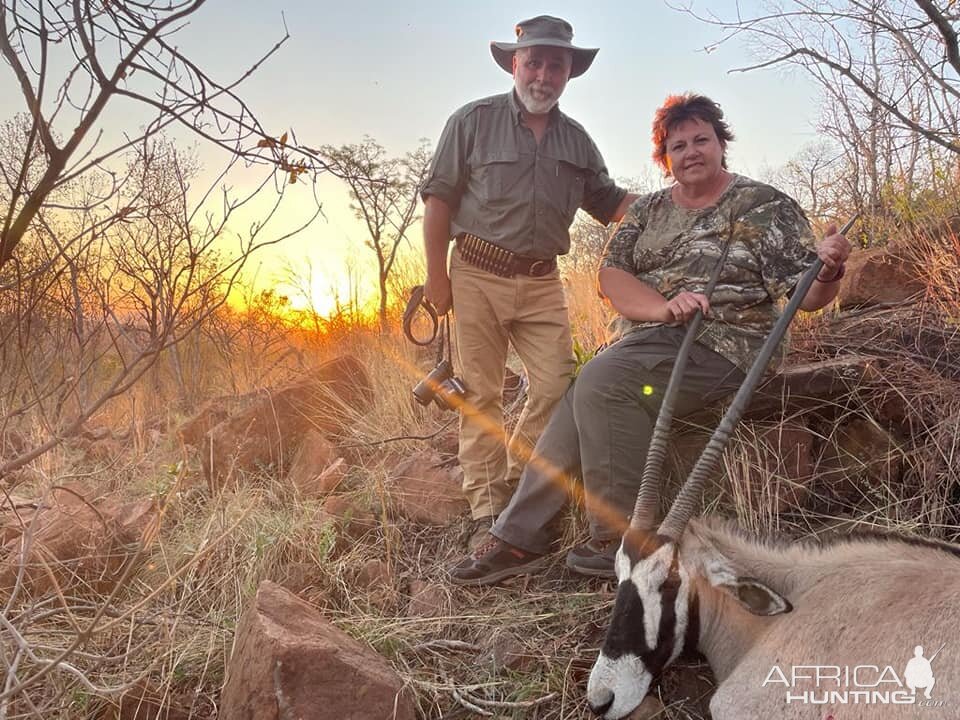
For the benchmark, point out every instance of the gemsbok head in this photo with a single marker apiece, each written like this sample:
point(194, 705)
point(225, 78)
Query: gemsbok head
point(863, 628)
point(796, 630)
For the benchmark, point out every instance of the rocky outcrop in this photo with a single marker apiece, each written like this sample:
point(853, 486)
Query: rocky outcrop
point(768, 465)
point(270, 430)
point(317, 467)
point(426, 489)
point(878, 276)
point(290, 662)
point(68, 540)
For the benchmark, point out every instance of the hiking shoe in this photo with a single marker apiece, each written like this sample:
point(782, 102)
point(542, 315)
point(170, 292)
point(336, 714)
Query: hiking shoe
point(493, 561)
point(594, 558)
point(479, 532)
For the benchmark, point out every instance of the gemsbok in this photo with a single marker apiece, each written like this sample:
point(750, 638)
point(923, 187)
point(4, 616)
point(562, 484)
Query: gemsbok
point(790, 631)
point(862, 628)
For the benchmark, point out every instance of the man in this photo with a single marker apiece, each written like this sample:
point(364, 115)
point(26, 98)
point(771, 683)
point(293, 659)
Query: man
point(508, 176)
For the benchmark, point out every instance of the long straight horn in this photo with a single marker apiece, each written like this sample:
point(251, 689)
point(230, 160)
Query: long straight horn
point(645, 510)
point(688, 499)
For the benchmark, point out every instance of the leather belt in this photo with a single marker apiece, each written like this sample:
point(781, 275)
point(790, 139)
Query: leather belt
point(500, 261)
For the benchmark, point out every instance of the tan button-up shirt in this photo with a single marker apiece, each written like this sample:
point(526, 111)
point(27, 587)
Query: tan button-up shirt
point(509, 190)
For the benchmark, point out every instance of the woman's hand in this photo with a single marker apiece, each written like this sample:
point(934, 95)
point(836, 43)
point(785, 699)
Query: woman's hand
point(681, 308)
point(834, 250)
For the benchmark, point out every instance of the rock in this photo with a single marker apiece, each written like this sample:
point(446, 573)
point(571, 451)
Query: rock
point(859, 455)
point(505, 651)
point(691, 685)
point(351, 518)
point(776, 468)
point(375, 574)
point(802, 386)
point(376, 583)
point(298, 577)
point(290, 662)
point(878, 276)
point(268, 431)
point(147, 702)
point(768, 465)
point(423, 491)
point(447, 443)
point(210, 414)
point(427, 600)
point(317, 469)
point(650, 708)
point(74, 542)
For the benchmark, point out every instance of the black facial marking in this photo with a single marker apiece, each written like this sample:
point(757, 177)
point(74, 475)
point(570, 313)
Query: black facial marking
point(656, 659)
point(692, 638)
point(626, 634)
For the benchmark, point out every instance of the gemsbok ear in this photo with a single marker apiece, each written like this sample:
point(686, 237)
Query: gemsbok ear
point(749, 592)
point(757, 597)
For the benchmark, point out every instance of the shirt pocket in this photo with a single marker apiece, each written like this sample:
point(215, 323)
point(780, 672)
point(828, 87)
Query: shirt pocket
point(499, 174)
point(565, 188)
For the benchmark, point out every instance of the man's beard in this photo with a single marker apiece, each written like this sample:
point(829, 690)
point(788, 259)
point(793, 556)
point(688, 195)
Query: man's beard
point(536, 105)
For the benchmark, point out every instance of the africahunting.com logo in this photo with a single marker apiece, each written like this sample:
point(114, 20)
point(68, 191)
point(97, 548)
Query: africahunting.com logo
point(859, 684)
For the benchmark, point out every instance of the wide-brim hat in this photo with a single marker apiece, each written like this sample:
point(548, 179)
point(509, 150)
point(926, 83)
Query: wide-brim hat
point(544, 30)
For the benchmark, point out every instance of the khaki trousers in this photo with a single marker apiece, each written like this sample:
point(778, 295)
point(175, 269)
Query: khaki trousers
point(492, 313)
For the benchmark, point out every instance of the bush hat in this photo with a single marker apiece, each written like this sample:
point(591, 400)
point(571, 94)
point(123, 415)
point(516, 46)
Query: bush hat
point(544, 30)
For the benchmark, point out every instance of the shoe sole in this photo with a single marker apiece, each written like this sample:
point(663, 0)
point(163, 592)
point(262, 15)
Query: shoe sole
point(516, 570)
point(591, 571)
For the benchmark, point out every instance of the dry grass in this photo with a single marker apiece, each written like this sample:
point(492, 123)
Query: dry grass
point(171, 626)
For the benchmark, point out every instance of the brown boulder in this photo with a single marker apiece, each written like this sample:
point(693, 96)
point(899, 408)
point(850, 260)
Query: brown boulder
point(267, 432)
point(376, 582)
point(650, 708)
point(209, 415)
point(504, 651)
point(348, 515)
point(858, 455)
point(374, 575)
point(147, 702)
point(290, 662)
point(878, 276)
point(74, 542)
point(768, 465)
point(317, 468)
point(775, 464)
point(422, 489)
point(298, 577)
point(427, 600)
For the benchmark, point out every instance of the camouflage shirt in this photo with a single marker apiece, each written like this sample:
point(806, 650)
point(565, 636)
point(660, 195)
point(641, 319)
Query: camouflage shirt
point(673, 249)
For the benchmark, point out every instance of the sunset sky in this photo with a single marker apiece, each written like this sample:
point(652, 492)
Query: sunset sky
point(395, 70)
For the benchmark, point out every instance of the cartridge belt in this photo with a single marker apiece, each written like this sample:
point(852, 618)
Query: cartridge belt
point(500, 261)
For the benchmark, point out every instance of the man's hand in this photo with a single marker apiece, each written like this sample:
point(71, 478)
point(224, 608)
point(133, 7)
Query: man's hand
point(438, 293)
point(681, 308)
point(834, 250)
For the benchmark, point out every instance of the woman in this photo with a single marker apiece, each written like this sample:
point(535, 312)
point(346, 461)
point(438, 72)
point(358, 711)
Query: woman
point(654, 272)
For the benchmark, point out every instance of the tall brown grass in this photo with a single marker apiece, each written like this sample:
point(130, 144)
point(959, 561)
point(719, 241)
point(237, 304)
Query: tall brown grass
point(171, 628)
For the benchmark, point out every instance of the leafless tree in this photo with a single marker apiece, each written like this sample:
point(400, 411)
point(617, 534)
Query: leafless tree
point(816, 177)
point(385, 193)
point(890, 75)
point(108, 258)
